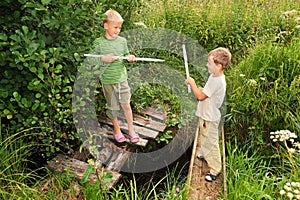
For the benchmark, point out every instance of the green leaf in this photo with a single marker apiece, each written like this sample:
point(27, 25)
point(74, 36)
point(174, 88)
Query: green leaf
point(25, 29)
point(41, 76)
point(88, 171)
point(32, 69)
point(38, 95)
point(6, 112)
point(36, 82)
point(24, 102)
point(45, 2)
point(3, 37)
point(17, 96)
point(35, 106)
point(9, 116)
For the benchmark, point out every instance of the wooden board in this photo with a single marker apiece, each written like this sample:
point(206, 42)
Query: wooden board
point(143, 131)
point(149, 122)
point(156, 113)
point(62, 163)
point(143, 142)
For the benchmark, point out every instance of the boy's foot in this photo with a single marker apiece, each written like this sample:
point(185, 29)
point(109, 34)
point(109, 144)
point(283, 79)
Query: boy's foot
point(134, 138)
point(200, 157)
point(211, 177)
point(119, 137)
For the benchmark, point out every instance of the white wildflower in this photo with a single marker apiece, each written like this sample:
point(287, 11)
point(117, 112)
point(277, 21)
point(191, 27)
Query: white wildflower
point(290, 195)
point(292, 150)
point(140, 24)
point(242, 75)
point(287, 188)
point(282, 192)
point(297, 196)
point(296, 191)
point(252, 82)
point(262, 78)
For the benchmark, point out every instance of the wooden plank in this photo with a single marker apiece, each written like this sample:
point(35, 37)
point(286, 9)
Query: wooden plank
point(118, 160)
point(147, 122)
point(143, 142)
point(156, 113)
point(138, 129)
point(62, 163)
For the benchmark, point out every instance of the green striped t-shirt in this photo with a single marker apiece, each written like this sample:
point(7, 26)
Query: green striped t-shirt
point(114, 72)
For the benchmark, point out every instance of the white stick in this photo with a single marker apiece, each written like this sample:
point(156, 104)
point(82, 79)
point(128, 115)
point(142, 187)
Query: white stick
point(186, 66)
point(126, 57)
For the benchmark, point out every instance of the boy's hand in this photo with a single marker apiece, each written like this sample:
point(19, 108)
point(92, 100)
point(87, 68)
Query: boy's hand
point(108, 58)
point(131, 58)
point(189, 80)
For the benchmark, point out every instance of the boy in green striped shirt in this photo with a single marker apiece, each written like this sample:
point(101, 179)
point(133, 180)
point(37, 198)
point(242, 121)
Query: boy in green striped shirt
point(114, 74)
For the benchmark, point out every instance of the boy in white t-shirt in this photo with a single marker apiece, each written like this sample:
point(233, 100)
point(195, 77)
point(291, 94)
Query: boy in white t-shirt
point(210, 100)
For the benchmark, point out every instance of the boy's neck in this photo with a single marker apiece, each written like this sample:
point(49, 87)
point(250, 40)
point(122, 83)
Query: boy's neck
point(219, 73)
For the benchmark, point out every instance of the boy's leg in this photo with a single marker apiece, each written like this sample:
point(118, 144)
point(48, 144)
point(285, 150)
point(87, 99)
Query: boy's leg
point(202, 136)
point(128, 116)
point(125, 96)
point(212, 149)
point(112, 104)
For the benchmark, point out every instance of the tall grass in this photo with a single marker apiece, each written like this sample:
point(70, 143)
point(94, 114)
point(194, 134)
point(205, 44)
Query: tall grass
point(263, 91)
point(237, 25)
point(16, 180)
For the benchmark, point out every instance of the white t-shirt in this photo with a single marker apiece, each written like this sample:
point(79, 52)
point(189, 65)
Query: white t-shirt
point(215, 89)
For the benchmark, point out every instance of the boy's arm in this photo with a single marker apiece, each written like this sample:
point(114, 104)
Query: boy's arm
point(198, 91)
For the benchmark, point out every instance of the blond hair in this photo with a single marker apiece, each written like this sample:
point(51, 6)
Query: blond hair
point(112, 16)
point(221, 56)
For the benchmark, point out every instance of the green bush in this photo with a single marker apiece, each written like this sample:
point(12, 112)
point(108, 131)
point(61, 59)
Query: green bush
point(42, 44)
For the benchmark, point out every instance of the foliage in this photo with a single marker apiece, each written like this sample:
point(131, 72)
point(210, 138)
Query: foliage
point(265, 88)
point(41, 45)
point(237, 25)
point(16, 180)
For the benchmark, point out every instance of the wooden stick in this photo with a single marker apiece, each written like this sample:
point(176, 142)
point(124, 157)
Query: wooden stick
point(193, 156)
point(224, 163)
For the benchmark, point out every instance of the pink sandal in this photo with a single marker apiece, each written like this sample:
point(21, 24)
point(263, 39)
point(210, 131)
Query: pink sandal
point(134, 138)
point(119, 137)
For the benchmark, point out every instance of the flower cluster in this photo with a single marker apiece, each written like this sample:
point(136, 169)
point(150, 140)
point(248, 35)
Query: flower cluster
point(283, 135)
point(291, 190)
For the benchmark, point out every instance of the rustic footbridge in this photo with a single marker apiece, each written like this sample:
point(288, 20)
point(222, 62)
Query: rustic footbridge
point(113, 156)
point(147, 125)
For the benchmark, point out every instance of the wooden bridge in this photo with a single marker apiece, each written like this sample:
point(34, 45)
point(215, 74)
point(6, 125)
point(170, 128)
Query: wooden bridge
point(148, 125)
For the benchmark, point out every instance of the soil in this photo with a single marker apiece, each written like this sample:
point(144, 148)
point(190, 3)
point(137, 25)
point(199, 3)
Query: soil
point(200, 188)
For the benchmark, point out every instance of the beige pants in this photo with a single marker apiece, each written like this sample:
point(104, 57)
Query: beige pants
point(209, 144)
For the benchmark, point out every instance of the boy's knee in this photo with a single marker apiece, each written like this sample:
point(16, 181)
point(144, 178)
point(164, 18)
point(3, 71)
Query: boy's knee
point(112, 114)
point(125, 106)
